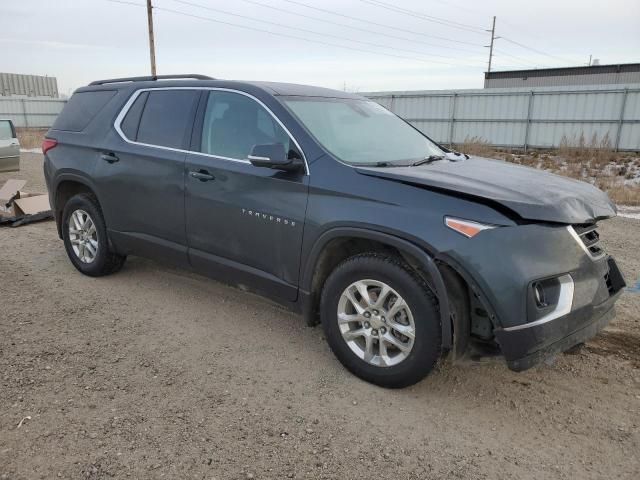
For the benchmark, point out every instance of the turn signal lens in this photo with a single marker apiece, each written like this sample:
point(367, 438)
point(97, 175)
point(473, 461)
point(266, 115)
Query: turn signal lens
point(466, 227)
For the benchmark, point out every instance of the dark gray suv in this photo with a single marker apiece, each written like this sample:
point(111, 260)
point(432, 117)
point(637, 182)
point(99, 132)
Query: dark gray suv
point(330, 204)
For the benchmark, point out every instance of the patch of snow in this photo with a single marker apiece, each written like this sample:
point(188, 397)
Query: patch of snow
point(629, 212)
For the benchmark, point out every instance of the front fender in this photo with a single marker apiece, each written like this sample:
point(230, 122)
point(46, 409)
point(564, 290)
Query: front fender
point(426, 263)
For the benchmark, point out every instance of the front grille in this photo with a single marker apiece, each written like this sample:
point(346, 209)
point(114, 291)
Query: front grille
point(590, 238)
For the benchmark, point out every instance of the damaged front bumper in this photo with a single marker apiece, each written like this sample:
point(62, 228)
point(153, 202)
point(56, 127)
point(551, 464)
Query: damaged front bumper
point(582, 284)
point(526, 345)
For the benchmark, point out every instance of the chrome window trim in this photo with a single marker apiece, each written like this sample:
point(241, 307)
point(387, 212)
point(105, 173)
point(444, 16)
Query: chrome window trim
point(563, 307)
point(577, 238)
point(125, 109)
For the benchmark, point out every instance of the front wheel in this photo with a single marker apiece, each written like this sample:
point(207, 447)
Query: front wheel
point(381, 320)
point(85, 237)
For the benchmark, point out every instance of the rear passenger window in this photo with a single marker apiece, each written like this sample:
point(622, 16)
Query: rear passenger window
point(81, 108)
point(166, 117)
point(129, 125)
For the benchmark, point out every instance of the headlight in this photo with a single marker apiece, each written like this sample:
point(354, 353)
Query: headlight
point(467, 228)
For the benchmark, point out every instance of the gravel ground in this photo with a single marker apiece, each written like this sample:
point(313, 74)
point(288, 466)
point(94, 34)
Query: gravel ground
point(159, 373)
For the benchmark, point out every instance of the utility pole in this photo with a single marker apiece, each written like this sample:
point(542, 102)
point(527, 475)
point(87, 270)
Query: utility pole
point(152, 45)
point(490, 46)
point(589, 64)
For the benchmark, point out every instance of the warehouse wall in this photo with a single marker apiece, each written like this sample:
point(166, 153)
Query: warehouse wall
point(569, 76)
point(564, 80)
point(523, 118)
point(12, 84)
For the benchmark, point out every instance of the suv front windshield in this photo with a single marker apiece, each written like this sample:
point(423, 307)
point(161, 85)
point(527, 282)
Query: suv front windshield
point(361, 132)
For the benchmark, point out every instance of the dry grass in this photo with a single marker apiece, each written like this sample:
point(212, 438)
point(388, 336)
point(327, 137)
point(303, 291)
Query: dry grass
point(591, 160)
point(31, 137)
point(599, 152)
point(476, 146)
point(620, 193)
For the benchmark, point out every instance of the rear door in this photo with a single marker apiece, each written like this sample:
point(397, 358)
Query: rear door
point(140, 176)
point(244, 223)
point(9, 147)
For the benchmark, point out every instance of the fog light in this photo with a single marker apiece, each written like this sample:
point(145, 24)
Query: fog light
point(538, 292)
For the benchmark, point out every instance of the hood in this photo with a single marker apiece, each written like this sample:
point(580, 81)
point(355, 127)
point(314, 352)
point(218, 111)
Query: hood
point(530, 193)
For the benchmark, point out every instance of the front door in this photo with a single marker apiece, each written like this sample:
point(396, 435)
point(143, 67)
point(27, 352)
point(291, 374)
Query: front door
point(9, 148)
point(244, 223)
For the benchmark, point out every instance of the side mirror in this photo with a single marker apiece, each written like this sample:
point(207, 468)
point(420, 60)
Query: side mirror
point(274, 156)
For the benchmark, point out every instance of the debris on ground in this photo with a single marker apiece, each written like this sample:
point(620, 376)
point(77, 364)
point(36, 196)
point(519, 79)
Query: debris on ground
point(18, 207)
point(22, 421)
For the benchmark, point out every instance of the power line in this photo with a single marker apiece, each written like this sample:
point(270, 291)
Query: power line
point(124, 2)
point(501, 53)
point(522, 61)
point(177, 12)
point(519, 29)
point(540, 52)
point(285, 35)
point(349, 17)
point(424, 16)
point(304, 30)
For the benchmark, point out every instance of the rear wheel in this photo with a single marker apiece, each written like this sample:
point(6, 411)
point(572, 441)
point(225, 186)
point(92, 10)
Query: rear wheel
point(381, 320)
point(85, 237)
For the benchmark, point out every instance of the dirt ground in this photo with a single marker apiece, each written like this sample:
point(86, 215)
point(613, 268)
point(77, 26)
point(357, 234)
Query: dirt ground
point(159, 373)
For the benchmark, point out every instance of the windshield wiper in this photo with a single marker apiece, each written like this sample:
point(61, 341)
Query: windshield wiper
point(429, 159)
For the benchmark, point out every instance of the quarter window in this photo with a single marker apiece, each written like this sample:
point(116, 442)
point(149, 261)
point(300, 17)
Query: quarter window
point(234, 124)
point(167, 117)
point(131, 121)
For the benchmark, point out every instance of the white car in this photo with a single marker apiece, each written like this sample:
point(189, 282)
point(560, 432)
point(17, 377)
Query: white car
point(9, 147)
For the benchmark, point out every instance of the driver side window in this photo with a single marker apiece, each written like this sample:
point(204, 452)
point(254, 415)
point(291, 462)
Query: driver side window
point(234, 124)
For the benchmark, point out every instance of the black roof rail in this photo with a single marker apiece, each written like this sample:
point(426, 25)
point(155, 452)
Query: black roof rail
point(194, 76)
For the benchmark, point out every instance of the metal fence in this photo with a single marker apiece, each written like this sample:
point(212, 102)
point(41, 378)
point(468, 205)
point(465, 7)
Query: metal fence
point(519, 118)
point(31, 112)
point(503, 117)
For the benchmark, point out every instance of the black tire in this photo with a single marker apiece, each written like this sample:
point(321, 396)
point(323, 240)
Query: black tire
point(400, 277)
point(106, 261)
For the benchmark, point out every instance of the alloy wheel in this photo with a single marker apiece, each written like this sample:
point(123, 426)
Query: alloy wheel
point(83, 236)
point(376, 323)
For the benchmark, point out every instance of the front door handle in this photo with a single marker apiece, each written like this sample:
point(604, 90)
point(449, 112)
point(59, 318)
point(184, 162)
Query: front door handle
point(109, 157)
point(202, 175)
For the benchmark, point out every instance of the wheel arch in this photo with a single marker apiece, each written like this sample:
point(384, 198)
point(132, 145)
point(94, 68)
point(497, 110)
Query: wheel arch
point(339, 243)
point(66, 186)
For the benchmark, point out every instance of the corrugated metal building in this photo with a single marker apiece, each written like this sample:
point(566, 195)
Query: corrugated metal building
point(569, 76)
point(15, 84)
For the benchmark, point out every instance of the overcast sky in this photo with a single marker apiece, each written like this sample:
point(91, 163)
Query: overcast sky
point(409, 48)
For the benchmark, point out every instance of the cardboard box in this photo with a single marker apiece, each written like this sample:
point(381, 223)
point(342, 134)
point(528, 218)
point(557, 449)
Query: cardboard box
point(9, 191)
point(31, 204)
point(18, 207)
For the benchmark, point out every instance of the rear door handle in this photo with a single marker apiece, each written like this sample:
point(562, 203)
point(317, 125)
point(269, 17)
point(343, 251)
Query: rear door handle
point(202, 175)
point(109, 157)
